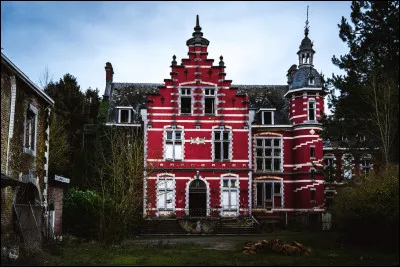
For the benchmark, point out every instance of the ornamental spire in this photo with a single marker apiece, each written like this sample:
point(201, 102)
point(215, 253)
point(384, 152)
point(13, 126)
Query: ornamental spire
point(306, 30)
point(197, 35)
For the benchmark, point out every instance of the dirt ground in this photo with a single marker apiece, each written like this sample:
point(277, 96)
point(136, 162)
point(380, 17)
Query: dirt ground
point(210, 242)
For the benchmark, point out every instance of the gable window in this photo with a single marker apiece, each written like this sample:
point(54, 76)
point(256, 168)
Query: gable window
point(30, 130)
point(222, 143)
point(186, 101)
point(125, 115)
point(209, 101)
point(165, 193)
point(269, 194)
point(229, 194)
point(311, 110)
point(312, 152)
point(173, 144)
point(347, 166)
point(269, 154)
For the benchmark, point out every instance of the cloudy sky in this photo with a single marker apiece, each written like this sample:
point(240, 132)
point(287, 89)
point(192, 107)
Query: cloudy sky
point(259, 40)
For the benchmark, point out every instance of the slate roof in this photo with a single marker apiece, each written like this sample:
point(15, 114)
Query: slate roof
point(300, 78)
point(260, 96)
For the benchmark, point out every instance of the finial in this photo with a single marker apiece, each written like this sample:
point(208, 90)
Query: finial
point(197, 28)
point(306, 28)
point(173, 60)
point(221, 63)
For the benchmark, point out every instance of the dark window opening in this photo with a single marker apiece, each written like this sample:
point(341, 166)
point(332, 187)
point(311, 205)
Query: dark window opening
point(267, 117)
point(313, 195)
point(312, 174)
point(209, 105)
point(312, 152)
point(311, 111)
point(221, 145)
point(277, 188)
point(186, 105)
point(124, 116)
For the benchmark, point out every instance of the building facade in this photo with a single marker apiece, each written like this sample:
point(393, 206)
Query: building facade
point(25, 111)
point(213, 148)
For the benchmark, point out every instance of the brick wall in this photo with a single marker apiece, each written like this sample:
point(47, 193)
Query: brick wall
point(56, 197)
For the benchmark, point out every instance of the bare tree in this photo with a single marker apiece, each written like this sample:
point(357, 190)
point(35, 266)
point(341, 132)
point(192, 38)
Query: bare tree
point(45, 78)
point(120, 179)
point(382, 94)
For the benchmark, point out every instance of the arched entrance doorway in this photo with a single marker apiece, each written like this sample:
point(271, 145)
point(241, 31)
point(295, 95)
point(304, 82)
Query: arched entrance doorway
point(197, 198)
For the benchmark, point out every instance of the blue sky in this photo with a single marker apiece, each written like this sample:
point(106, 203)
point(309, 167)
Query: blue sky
point(259, 40)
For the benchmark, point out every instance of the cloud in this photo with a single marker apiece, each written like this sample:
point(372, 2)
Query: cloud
point(258, 40)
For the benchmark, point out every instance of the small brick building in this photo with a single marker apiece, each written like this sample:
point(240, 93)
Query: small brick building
point(25, 111)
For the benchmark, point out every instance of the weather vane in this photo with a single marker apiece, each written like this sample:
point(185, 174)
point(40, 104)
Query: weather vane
point(306, 28)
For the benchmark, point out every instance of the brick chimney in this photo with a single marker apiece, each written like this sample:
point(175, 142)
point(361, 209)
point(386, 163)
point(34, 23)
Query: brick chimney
point(109, 80)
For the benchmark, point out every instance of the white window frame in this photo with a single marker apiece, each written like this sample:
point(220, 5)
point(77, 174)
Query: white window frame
point(210, 93)
point(185, 93)
point(27, 147)
point(221, 130)
point(311, 81)
point(163, 191)
point(130, 110)
point(176, 156)
point(263, 147)
point(330, 162)
point(314, 103)
point(273, 194)
point(366, 168)
point(229, 189)
point(347, 166)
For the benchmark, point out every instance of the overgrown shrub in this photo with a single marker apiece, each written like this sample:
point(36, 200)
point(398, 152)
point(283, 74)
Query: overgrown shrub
point(81, 213)
point(367, 211)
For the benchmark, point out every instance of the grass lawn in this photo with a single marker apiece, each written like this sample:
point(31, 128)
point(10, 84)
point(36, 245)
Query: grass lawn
point(326, 251)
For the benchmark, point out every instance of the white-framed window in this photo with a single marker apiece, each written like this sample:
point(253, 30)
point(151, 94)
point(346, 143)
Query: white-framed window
point(209, 101)
point(173, 143)
point(366, 164)
point(329, 167)
point(311, 80)
point(267, 117)
point(347, 166)
point(165, 193)
point(312, 116)
point(312, 152)
point(269, 154)
point(222, 144)
point(269, 194)
point(30, 130)
point(229, 192)
point(125, 114)
point(186, 101)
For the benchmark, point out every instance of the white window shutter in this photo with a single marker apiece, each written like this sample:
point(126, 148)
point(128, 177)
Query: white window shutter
point(161, 200)
point(225, 199)
point(168, 152)
point(233, 199)
point(178, 151)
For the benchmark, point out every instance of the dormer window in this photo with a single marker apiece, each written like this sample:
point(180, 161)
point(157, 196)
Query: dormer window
point(311, 81)
point(125, 114)
point(267, 116)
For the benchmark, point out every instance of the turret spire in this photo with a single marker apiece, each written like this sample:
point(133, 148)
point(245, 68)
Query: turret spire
point(306, 30)
point(197, 35)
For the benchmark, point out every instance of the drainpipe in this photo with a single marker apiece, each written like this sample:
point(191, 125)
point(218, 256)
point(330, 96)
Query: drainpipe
point(250, 142)
point(143, 113)
point(46, 167)
point(12, 114)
